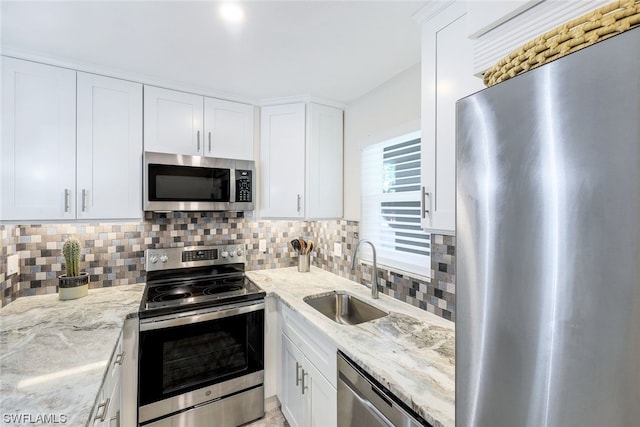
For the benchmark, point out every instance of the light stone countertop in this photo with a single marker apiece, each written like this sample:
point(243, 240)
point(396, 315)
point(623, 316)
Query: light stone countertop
point(53, 354)
point(411, 351)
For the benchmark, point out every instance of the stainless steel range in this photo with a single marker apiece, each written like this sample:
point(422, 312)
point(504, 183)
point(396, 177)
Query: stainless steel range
point(201, 357)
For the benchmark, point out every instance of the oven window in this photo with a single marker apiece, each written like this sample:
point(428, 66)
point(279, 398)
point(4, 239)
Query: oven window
point(184, 358)
point(188, 183)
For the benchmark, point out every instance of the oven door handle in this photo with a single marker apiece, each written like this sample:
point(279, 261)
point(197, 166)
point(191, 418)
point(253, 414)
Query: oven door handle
point(188, 318)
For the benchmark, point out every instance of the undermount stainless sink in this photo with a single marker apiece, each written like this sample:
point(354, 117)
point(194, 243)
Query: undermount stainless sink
point(344, 308)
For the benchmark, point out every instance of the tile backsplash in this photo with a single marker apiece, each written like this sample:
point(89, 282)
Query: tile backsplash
point(113, 253)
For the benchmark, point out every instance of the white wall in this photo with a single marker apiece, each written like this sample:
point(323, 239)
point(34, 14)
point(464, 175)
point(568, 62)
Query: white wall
point(389, 110)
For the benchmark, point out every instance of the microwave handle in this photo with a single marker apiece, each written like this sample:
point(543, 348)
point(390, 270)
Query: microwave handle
point(198, 140)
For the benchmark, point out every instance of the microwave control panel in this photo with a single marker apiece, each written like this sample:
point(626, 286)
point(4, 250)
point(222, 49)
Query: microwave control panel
point(244, 182)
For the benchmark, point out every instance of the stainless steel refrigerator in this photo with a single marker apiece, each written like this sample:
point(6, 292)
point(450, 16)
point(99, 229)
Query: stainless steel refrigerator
point(548, 244)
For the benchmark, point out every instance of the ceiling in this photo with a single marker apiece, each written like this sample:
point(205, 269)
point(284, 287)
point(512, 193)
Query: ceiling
point(336, 50)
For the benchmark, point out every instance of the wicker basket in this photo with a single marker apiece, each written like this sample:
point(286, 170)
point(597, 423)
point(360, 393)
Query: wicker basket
point(579, 33)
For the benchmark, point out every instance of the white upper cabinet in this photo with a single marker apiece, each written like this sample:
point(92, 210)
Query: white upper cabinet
point(173, 121)
point(282, 162)
point(183, 123)
point(301, 157)
point(109, 163)
point(57, 165)
point(324, 162)
point(447, 75)
point(38, 141)
point(228, 129)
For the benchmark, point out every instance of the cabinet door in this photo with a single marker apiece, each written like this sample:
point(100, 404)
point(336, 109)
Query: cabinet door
point(173, 121)
point(113, 413)
point(228, 129)
point(109, 163)
point(272, 348)
point(282, 161)
point(38, 141)
point(446, 77)
point(324, 162)
point(323, 398)
point(295, 405)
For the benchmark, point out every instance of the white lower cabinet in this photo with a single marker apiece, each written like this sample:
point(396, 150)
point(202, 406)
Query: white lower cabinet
point(106, 412)
point(295, 404)
point(272, 350)
point(308, 369)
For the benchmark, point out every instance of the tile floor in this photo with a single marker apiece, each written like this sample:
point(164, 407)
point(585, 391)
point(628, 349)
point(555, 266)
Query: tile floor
point(272, 418)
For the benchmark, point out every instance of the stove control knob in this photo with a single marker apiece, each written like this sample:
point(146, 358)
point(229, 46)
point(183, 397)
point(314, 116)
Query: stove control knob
point(153, 259)
point(224, 254)
point(239, 252)
point(232, 253)
point(164, 258)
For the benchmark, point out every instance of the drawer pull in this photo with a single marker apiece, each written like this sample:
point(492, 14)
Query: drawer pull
point(119, 358)
point(100, 416)
point(304, 387)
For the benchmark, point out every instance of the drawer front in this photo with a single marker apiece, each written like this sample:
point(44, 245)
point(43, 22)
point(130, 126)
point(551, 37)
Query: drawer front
point(317, 347)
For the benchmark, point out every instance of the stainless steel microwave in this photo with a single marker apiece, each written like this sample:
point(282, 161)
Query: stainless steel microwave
point(174, 182)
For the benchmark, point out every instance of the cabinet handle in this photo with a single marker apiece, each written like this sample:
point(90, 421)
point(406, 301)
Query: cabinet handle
point(102, 415)
point(299, 200)
point(116, 419)
point(84, 200)
point(209, 142)
point(198, 140)
point(298, 366)
point(304, 387)
point(425, 193)
point(67, 200)
point(119, 358)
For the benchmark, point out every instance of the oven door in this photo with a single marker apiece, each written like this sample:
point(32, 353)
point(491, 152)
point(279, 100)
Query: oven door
point(199, 357)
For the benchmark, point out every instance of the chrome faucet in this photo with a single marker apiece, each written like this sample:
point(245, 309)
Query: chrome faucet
point(374, 282)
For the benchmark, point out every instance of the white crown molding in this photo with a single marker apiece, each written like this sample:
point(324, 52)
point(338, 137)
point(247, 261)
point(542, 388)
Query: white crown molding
point(123, 75)
point(430, 10)
point(163, 83)
point(300, 98)
point(504, 39)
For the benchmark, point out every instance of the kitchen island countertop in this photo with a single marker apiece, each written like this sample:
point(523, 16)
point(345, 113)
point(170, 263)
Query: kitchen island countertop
point(53, 354)
point(410, 351)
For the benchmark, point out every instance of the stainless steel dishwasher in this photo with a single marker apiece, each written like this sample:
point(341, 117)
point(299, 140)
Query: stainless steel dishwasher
point(362, 401)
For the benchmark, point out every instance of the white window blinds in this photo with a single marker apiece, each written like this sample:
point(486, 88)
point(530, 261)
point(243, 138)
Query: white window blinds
point(391, 205)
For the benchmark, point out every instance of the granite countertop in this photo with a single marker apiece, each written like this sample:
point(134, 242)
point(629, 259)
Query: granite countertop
point(53, 354)
point(411, 351)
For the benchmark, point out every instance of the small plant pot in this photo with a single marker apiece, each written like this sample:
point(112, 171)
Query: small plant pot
point(73, 287)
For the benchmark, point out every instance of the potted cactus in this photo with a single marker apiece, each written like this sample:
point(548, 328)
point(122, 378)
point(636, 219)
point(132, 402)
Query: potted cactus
point(74, 284)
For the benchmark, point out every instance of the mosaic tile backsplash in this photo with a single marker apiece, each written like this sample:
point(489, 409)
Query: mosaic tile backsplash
point(113, 253)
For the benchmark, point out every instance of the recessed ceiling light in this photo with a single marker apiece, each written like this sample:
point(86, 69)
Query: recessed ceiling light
point(231, 12)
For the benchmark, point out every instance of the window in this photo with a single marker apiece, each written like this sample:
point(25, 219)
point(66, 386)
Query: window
point(391, 205)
